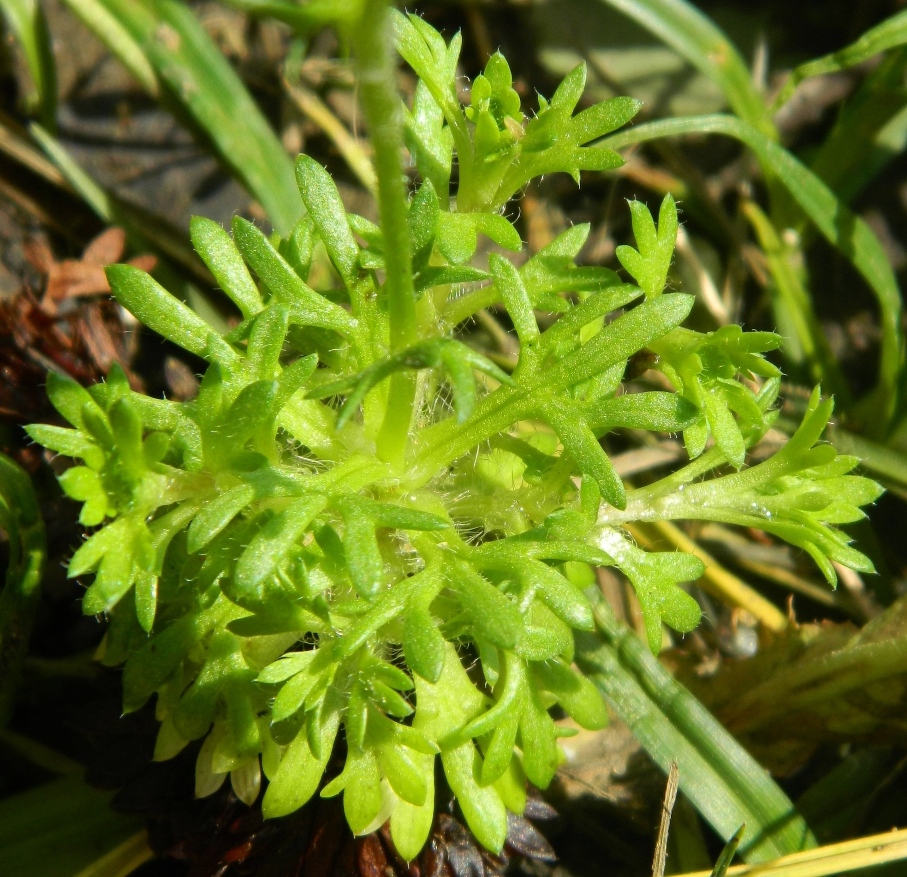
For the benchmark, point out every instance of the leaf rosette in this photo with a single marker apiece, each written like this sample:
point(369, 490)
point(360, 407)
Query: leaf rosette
point(279, 582)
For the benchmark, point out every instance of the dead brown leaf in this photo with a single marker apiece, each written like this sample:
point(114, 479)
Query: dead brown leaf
point(77, 278)
point(813, 684)
point(83, 340)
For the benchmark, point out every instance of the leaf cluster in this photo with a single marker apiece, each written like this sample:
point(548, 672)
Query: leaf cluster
point(501, 150)
point(274, 578)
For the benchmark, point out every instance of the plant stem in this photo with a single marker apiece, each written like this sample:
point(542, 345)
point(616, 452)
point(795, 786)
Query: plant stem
point(376, 71)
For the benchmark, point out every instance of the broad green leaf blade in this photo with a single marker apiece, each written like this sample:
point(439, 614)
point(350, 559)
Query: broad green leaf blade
point(363, 556)
point(249, 412)
point(69, 442)
point(387, 514)
point(649, 263)
point(322, 200)
point(219, 253)
point(581, 443)
point(538, 741)
point(402, 774)
point(495, 617)
point(201, 83)
point(69, 398)
point(430, 63)
point(300, 771)
point(593, 308)
point(843, 229)
point(411, 825)
point(362, 796)
point(516, 299)
point(603, 118)
point(144, 297)
point(457, 238)
point(499, 229)
point(424, 213)
point(423, 645)
point(621, 339)
point(273, 542)
point(656, 411)
point(581, 700)
point(429, 140)
point(266, 340)
point(696, 38)
point(557, 592)
point(725, 784)
point(304, 304)
point(484, 811)
point(216, 515)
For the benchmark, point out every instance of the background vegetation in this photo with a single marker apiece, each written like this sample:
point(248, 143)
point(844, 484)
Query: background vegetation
point(136, 114)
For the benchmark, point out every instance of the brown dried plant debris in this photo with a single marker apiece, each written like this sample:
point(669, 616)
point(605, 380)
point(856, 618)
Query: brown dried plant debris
point(72, 327)
point(78, 278)
point(232, 840)
point(221, 837)
point(813, 684)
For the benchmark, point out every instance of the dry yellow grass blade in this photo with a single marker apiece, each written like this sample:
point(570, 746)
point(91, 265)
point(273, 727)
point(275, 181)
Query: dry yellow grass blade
point(829, 860)
point(716, 580)
point(356, 157)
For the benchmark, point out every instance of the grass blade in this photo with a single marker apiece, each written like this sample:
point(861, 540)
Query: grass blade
point(354, 154)
point(890, 33)
point(839, 226)
point(143, 232)
point(725, 784)
point(26, 18)
point(696, 38)
point(794, 310)
point(727, 854)
point(200, 83)
point(100, 20)
point(828, 861)
point(870, 131)
point(302, 18)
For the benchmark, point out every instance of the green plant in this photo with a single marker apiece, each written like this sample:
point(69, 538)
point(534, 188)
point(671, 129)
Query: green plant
point(21, 521)
point(362, 521)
